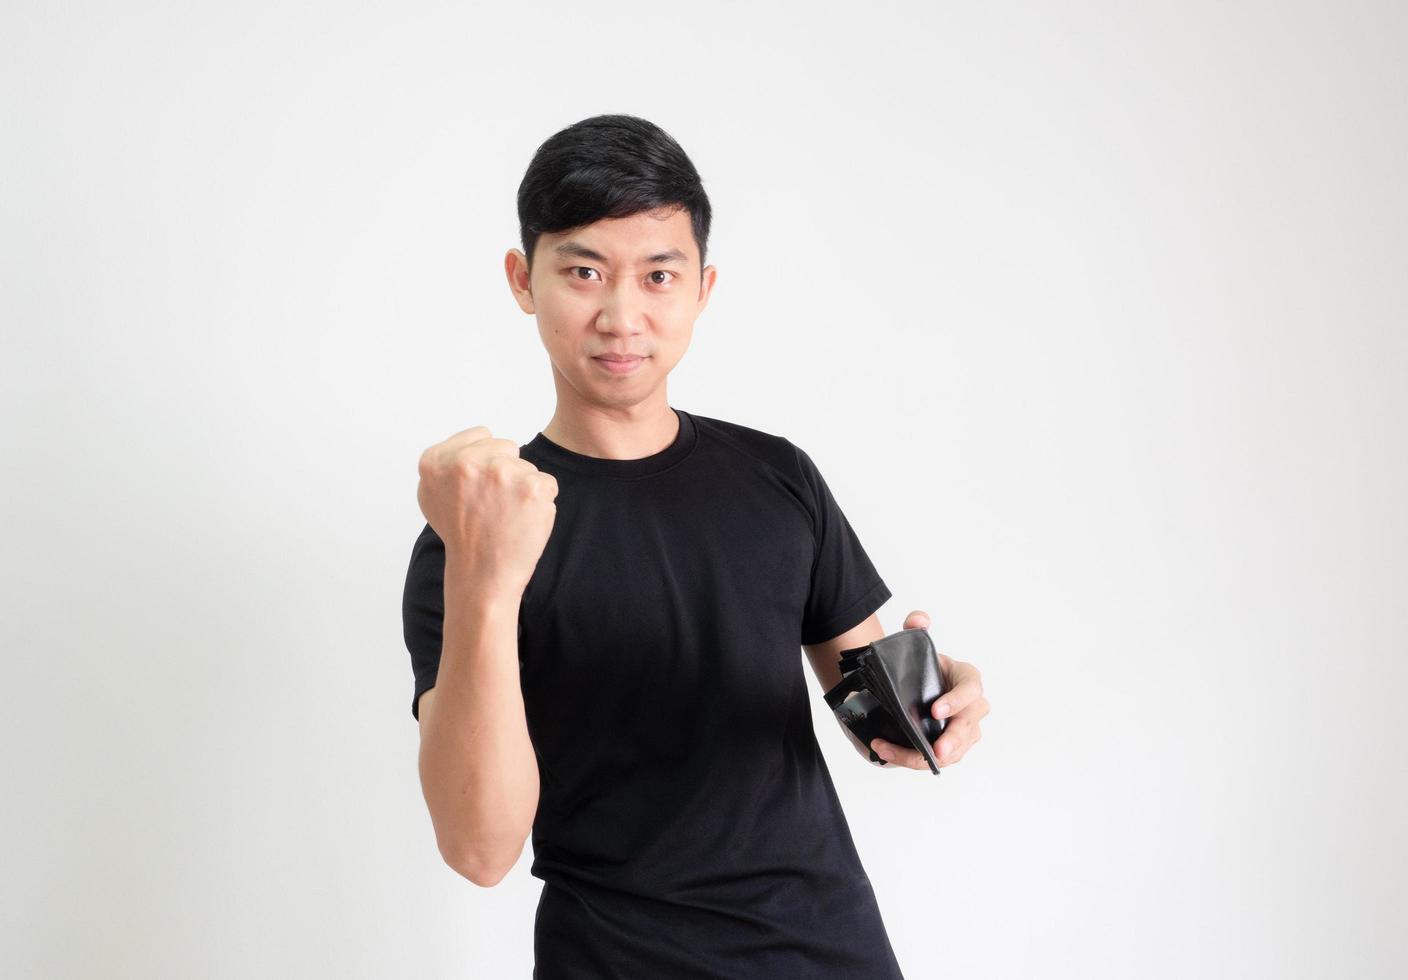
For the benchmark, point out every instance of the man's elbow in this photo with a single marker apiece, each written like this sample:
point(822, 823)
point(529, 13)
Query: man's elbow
point(481, 878)
point(484, 873)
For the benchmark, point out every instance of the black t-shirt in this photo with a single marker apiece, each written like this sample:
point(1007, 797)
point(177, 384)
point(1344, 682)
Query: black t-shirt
point(687, 824)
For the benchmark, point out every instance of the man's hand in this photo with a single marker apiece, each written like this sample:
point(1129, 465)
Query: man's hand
point(962, 704)
point(492, 509)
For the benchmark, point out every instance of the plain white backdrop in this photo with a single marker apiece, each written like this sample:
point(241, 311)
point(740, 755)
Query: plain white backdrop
point(1092, 314)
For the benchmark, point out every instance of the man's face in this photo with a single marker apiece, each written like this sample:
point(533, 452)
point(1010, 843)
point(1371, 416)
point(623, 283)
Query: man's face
point(622, 286)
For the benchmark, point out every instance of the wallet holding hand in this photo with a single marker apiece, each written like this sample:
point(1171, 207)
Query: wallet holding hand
point(888, 689)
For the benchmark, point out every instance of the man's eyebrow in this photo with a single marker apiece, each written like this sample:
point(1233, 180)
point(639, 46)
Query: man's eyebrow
point(581, 251)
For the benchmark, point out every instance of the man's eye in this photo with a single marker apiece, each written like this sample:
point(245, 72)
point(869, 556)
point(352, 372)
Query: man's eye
point(661, 272)
point(579, 268)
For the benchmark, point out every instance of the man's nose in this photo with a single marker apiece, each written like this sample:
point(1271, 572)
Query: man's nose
point(622, 309)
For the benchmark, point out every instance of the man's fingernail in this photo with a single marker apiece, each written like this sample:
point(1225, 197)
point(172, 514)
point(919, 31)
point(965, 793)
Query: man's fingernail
point(940, 709)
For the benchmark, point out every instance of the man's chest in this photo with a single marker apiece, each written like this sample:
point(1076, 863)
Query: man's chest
point(660, 591)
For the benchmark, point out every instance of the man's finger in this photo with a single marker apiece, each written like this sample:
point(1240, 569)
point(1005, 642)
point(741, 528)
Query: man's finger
point(965, 687)
point(899, 755)
point(918, 619)
point(960, 735)
point(473, 434)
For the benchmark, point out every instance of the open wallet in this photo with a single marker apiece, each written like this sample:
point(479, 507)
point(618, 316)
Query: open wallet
point(888, 689)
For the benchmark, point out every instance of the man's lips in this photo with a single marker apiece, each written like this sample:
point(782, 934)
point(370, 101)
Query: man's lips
point(619, 363)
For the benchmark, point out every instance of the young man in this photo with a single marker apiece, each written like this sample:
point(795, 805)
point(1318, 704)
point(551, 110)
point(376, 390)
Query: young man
point(604, 623)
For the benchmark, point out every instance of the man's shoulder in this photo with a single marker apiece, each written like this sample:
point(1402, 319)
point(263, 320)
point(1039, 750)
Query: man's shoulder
point(770, 448)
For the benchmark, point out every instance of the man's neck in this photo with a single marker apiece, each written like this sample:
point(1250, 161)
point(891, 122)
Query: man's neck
point(632, 432)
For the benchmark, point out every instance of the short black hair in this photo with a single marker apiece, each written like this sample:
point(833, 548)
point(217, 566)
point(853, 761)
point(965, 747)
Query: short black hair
point(608, 166)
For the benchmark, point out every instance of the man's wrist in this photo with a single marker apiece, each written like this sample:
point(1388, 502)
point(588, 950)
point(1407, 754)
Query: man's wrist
point(483, 595)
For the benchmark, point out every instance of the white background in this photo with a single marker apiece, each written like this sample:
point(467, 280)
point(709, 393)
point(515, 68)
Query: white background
point(1093, 316)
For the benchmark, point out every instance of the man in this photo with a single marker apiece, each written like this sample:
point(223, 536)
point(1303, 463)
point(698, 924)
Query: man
point(604, 623)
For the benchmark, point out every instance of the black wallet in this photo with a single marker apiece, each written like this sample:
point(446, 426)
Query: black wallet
point(888, 689)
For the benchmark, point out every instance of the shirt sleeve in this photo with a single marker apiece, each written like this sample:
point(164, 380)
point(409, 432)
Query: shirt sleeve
point(845, 587)
point(423, 611)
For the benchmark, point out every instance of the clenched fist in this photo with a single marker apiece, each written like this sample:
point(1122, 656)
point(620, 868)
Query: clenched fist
point(493, 510)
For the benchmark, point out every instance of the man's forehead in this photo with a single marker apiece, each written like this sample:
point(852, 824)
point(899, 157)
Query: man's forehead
point(640, 238)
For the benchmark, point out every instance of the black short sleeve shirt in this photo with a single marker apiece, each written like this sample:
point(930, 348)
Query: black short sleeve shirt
point(687, 824)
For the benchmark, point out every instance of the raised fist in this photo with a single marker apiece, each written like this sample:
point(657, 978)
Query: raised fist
point(493, 510)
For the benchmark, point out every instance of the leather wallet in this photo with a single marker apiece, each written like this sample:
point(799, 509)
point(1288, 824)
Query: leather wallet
point(888, 689)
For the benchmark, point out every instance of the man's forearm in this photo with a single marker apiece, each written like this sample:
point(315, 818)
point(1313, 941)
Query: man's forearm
point(477, 767)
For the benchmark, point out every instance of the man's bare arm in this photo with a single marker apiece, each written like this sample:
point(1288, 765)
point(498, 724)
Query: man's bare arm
point(825, 661)
point(478, 771)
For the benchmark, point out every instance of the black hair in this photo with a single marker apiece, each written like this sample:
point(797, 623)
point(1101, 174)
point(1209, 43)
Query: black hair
point(608, 166)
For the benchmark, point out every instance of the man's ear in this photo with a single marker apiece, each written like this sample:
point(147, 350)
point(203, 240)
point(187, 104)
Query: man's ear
point(706, 287)
point(519, 279)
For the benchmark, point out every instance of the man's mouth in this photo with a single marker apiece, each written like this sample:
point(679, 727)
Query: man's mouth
point(619, 363)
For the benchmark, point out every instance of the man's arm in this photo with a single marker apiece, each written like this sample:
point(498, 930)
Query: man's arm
point(825, 660)
point(478, 770)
